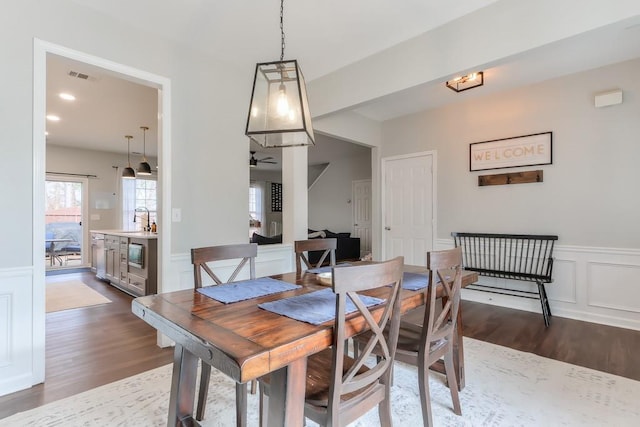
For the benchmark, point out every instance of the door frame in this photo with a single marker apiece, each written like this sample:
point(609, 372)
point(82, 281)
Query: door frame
point(434, 196)
point(40, 50)
point(86, 246)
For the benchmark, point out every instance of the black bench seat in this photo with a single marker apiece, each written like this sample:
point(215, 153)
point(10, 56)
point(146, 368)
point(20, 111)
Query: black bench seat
point(526, 257)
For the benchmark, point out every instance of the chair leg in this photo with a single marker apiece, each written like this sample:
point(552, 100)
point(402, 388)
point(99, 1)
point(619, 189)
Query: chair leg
point(205, 375)
point(241, 404)
point(254, 386)
point(453, 383)
point(423, 383)
point(384, 407)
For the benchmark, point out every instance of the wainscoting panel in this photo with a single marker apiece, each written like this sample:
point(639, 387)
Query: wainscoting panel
point(564, 285)
point(5, 329)
point(16, 324)
point(600, 285)
point(614, 286)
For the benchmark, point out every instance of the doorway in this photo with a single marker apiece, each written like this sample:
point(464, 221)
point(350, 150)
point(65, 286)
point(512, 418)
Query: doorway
point(66, 238)
point(36, 333)
point(409, 206)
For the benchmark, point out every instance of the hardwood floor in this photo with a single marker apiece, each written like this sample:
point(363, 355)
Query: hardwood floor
point(92, 346)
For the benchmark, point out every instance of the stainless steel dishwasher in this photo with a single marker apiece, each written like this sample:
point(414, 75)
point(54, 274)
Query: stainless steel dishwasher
point(97, 252)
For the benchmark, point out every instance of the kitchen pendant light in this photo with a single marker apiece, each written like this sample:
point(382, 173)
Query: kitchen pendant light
point(128, 172)
point(279, 111)
point(144, 168)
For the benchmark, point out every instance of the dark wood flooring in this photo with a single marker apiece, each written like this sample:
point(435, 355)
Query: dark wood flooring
point(92, 346)
point(88, 347)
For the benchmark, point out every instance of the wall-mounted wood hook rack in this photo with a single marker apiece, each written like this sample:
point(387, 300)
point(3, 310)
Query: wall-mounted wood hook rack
point(511, 178)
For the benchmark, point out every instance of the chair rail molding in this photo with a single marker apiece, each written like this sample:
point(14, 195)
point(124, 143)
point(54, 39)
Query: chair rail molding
point(593, 284)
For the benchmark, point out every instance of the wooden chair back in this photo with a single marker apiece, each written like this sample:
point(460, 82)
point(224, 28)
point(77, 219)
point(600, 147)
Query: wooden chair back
point(445, 267)
point(424, 345)
point(246, 252)
point(347, 282)
point(327, 245)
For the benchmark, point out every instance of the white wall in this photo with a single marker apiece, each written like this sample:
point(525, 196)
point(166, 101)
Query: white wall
point(330, 197)
point(587, 193)
point(208, 110)
point(588, 197)
point(209, 102)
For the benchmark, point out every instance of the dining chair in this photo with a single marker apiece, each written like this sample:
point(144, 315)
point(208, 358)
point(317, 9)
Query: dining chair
point(423, 345)
point(200, 257)
point(340, 388)
point(301, 247)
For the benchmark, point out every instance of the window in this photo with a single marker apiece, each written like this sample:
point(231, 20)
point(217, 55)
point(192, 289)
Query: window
point(256, 207)
point(138, 194)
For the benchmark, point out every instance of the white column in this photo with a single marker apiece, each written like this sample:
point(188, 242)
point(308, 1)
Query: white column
point(295, 204)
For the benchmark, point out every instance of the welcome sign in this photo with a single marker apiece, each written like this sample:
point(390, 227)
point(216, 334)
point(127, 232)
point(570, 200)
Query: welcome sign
point(527, 150)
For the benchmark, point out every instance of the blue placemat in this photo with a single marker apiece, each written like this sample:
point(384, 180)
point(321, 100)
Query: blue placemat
point(414, 281)
point(326, 269)
point(315, 307)
point(246, 289)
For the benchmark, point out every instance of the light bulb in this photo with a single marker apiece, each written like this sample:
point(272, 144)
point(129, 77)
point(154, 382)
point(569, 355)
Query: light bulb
point(472, 76)
point(283, 102)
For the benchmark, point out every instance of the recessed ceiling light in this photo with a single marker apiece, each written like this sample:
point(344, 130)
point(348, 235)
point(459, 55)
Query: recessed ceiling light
point(67, 96)
point(46, 133)
point(53, 118)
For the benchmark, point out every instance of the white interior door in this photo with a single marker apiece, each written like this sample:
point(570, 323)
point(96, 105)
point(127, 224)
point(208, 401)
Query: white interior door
point(361, 199)
point(408, 201)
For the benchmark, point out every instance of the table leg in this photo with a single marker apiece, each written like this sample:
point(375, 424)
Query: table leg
point(286, 395)
point(183, 387)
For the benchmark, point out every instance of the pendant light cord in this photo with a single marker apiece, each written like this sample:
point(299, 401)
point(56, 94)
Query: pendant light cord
point(144, 142)
point(282, 29)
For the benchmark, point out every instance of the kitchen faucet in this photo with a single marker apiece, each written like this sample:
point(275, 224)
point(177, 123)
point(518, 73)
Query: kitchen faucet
point(148, 228)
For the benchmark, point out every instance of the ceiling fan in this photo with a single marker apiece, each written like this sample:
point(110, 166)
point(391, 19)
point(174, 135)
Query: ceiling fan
point(253, 161)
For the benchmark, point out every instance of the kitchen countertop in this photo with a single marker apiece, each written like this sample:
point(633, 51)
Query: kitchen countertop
point(125, 233)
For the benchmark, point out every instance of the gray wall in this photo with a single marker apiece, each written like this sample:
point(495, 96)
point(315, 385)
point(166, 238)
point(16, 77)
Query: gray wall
point(330, 196)
point(589, 195)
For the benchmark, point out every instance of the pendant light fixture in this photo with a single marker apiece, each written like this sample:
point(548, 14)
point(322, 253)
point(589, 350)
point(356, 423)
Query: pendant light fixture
point(279, 112)
point(128, 172)
point(144, 168)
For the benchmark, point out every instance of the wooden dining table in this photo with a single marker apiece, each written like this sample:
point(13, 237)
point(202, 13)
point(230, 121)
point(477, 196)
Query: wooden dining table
point(246, 342)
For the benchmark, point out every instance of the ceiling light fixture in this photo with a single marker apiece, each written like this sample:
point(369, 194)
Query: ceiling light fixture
point(466, 82)
point(53, 118)
point(67, 96)
point(128, 172)
point(144, 168)
point(279, 112)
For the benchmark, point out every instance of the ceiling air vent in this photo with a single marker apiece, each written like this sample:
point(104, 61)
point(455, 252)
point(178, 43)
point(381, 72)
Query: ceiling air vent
point(79, 75)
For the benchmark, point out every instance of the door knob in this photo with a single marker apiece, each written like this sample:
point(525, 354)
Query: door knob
point(387, 228)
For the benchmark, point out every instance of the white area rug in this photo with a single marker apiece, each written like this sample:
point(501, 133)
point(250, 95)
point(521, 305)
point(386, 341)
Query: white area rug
point(505, 387)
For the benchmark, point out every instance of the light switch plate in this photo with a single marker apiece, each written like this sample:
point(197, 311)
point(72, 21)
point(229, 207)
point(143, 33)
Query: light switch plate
point(176, 214)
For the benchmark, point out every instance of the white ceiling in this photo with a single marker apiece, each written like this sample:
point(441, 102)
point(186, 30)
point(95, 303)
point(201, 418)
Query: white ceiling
point(323, 35)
